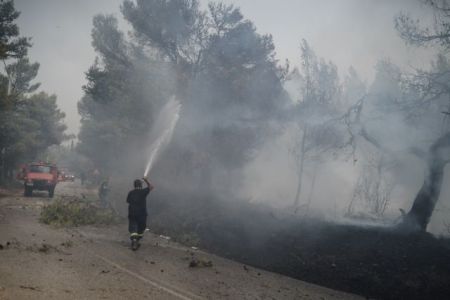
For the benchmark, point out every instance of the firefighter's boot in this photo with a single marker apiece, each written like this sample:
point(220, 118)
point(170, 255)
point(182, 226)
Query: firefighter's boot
point(134, 244)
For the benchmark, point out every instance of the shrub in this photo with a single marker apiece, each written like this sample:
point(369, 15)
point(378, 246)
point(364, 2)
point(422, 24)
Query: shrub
point(75, 213)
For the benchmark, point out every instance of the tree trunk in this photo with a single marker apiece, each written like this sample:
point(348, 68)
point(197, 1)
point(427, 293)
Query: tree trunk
point(422, 209)
point(2, 166)
point(311, 191)
point(300, 165)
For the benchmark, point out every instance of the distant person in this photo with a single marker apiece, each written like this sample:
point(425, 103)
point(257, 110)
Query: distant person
point(103, 193)
point(137, 211)
point(96, 176)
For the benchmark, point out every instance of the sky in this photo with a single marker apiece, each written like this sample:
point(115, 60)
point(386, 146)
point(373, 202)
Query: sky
point(348, 32)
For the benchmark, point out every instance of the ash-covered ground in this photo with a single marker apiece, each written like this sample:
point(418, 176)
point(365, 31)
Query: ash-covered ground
point(379, 262)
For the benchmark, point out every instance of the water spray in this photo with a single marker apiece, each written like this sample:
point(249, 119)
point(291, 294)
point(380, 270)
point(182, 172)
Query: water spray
point(163, 130)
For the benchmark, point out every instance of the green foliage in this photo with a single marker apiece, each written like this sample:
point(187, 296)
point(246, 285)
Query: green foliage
point(28, 123)
point(30, 128)
point(11, 45)
point(42, 108)
point(214, 61)
point(21, 73)
point(75, 213)
point(174, 27)
point(120, 94)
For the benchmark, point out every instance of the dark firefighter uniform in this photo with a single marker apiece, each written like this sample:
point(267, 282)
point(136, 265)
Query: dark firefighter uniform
point(137, 212)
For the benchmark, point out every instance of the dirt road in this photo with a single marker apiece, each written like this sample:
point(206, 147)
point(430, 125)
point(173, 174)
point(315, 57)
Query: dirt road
point(41, 262)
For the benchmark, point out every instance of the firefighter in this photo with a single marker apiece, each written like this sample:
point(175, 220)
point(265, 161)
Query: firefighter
point(103, 192)
point(137, 211)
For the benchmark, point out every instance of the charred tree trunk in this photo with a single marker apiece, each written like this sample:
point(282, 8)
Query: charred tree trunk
point(422, 209)
point(419, 215)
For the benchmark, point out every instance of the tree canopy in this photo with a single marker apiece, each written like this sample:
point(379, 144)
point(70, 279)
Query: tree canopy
point(29, 123)
point(226, 77)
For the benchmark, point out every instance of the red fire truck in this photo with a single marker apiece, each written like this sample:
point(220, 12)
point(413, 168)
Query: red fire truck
point(39, 176)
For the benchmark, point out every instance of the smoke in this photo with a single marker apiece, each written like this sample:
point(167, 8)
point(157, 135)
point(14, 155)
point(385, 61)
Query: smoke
point(271, 178)
point(219, 146)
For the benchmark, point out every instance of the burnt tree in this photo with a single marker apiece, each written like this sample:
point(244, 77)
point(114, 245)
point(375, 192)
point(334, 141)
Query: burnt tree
point(434, 89)
point(422, 209)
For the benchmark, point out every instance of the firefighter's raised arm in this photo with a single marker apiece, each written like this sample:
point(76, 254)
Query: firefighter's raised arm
point(148, 183)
